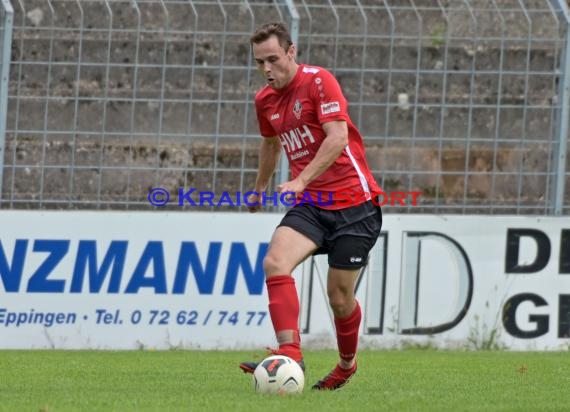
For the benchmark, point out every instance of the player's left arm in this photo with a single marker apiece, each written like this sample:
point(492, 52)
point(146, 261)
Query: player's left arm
point(331, 148)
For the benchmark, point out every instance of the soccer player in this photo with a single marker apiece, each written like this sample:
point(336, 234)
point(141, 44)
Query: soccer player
point(302, 110)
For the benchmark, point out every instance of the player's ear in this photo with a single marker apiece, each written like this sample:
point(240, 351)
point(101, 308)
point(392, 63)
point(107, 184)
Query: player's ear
point(292, 52)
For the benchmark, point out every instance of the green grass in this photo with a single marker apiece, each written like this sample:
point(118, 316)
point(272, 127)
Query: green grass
point(408, 380)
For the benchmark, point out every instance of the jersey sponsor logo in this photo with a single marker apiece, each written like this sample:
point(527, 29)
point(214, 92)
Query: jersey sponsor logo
point(296, 139)
point(312, 70)
point(331, 107)
point(355, 259)
point(275, 116)
point(299, 154)
point(297, 109)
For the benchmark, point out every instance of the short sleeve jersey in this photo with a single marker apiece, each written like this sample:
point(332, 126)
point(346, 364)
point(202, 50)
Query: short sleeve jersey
point(296, 114)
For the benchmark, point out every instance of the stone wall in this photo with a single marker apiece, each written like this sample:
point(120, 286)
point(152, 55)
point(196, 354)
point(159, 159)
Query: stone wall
point(460, 106)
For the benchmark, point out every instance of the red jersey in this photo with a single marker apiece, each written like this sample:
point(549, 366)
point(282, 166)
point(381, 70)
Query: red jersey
point(295, 114)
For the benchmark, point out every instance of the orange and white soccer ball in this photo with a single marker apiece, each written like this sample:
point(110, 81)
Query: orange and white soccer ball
point(278, 375)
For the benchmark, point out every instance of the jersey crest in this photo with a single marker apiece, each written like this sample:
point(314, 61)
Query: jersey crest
point(297, 109)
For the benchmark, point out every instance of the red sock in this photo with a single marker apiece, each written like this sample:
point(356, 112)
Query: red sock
point(347, 333)
point(284, 312)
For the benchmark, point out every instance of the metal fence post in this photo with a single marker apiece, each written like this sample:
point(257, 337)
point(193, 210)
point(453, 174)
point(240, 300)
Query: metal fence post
point(559, 156)
point(293, 22)
point(5, 57)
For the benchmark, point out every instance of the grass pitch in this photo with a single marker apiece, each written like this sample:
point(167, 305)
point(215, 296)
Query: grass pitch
point(407, 380)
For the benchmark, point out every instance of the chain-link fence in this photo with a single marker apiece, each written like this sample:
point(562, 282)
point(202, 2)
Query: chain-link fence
point(463, 100)
point(6, 21)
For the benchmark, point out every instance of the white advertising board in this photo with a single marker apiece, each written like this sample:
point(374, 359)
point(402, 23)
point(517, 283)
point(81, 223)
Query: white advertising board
point(127, 280)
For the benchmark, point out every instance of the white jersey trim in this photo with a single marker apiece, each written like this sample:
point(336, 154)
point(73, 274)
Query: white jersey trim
point(361, 176)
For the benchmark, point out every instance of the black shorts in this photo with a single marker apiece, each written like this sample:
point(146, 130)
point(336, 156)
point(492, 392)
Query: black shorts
point(345, 235)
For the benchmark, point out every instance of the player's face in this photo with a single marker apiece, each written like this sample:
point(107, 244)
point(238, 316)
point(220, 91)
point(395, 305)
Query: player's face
point(277, 65)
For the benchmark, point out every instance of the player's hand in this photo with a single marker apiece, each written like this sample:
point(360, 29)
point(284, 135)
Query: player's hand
point(295, 187)
point(254, 199)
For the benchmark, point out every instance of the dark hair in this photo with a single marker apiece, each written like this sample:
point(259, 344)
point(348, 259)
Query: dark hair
point(267, 30)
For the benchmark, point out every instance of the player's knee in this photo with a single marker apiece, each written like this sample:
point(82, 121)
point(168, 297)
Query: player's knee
point(340, 303)
point(273, 265)
point(341, 309)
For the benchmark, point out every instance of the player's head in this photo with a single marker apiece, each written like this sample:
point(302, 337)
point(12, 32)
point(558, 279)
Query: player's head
point(277, 29)
point(274, 54)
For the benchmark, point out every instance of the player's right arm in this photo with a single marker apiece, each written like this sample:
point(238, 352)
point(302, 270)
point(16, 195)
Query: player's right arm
point(269, 153)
